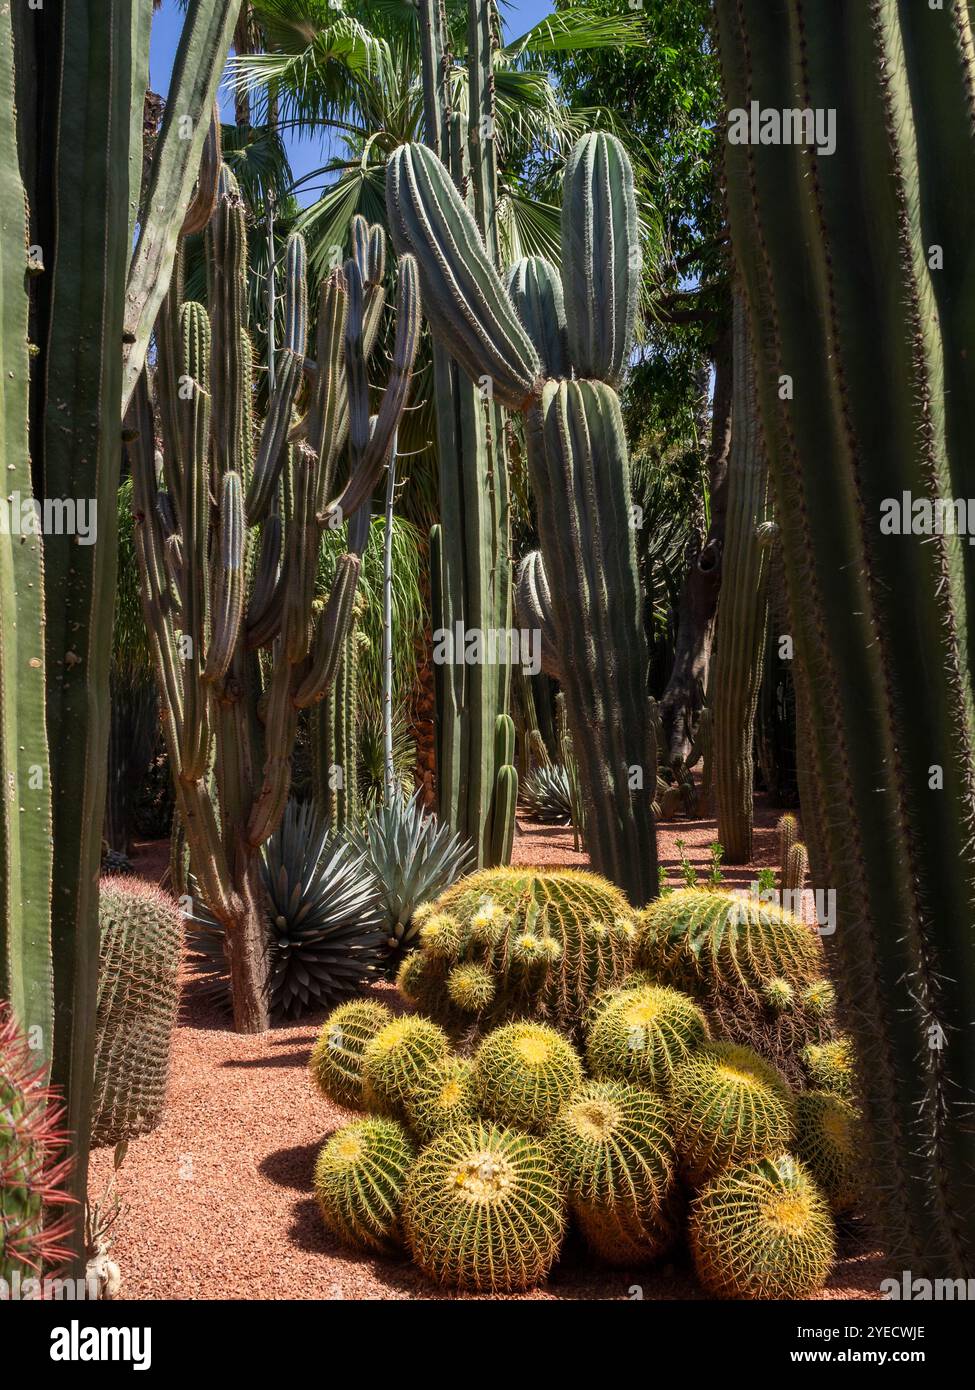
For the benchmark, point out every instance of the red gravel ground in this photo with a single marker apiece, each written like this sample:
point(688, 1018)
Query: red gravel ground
point(217, 1202)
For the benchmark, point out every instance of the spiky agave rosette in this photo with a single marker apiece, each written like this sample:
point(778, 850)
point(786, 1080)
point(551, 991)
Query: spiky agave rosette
point(324, 918)
point(33, 1177)
point(546, 795)
point(412, 857)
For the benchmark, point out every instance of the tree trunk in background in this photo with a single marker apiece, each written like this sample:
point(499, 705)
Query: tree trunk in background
point(683, 699)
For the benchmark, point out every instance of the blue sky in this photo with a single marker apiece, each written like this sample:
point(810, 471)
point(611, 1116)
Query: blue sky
point(307, 153)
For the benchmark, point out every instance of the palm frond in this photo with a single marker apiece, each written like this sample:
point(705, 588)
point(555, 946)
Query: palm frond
point(572, 31)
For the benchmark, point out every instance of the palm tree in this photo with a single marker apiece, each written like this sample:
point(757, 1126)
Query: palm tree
point(355, 76)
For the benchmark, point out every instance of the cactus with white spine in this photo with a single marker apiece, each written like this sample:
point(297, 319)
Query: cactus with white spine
point(524, 341)
point(221, 582)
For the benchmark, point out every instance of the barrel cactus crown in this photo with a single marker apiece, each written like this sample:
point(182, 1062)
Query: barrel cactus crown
point(548, 941)
point(642, 1034)
point(612, 1147)
point(762, 1230)
point(728, 1106)
point(756, 969)
point(138, 992)
point(359, 1180)
point(441, 1099)
point(828, 1143)
point(397, 1058)
point(484, 1209)
point(523, 1073)
point(33, 1171)
point(830, 1067)
point(337, 1056)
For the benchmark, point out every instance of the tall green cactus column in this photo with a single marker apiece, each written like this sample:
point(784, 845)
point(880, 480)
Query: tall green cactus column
point(473, 576)
point(26, 970)
point(856, 257)
point(555, 350)
point(742, 618)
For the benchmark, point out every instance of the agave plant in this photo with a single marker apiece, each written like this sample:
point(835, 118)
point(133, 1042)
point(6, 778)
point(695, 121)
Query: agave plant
point(325, 916)
point(546, 795)
point(413, 858)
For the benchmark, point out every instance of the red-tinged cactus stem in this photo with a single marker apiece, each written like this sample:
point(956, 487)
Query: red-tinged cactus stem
point(886, 701)
point(742, 614)
point(26, 967)
point(34, 1241)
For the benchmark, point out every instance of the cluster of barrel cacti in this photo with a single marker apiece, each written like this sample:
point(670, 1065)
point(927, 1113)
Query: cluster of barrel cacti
point(554, 347)
point(519, 942)
point(230, 520)
point(758, 971)
point(477, 1164)
point(138, 991)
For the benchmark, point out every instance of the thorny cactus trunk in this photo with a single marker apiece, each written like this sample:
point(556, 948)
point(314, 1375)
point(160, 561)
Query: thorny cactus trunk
point(469, 552)
point(736, 674)
point(857, 263)
point(554, 348)
point(228, 545)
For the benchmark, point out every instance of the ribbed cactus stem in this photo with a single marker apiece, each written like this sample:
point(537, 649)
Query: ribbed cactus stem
point(742, 607)
point(204, 565)
point(577, 456)
point(854, 261)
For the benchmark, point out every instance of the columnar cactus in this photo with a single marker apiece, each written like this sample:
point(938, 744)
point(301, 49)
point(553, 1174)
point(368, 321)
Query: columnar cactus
point(228, 545)
point(469, 560)
point(742, 617)
point(138, 991)
point(71, 155)
point(577, 451)
point(853, 248)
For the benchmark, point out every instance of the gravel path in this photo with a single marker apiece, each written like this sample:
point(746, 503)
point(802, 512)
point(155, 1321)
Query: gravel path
point(217, 1201)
